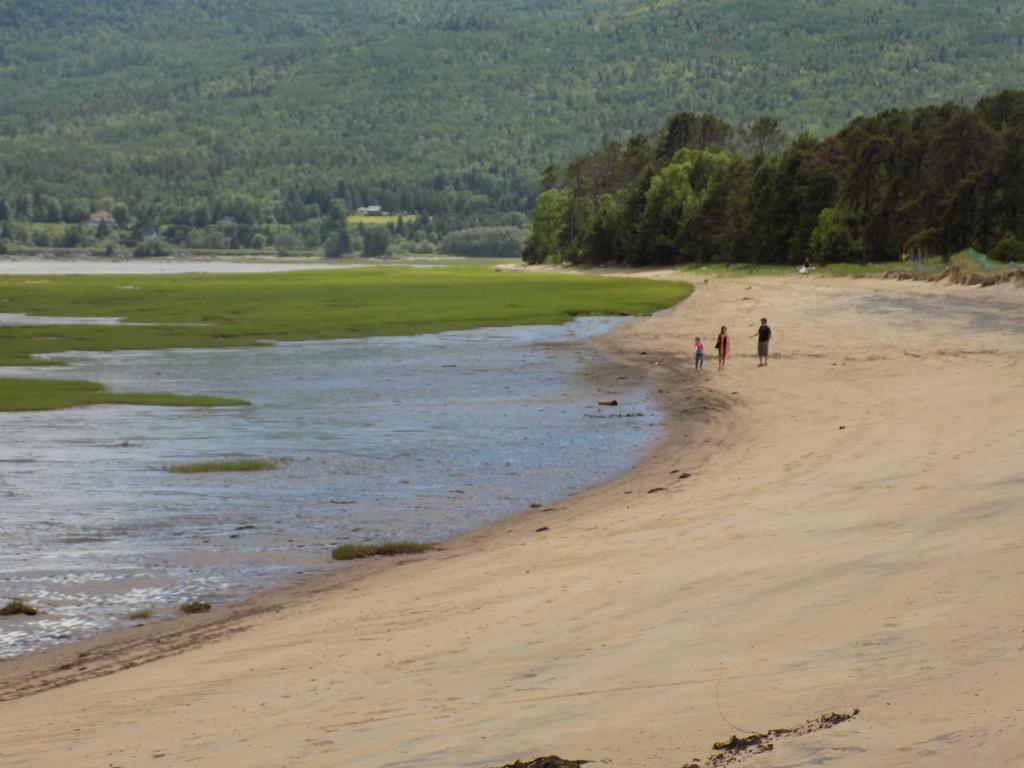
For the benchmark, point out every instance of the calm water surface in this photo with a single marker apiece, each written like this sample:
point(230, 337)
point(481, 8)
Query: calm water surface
point(417, 437)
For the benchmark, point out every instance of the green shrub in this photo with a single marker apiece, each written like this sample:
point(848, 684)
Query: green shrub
point(375, 242)
point(1010, 248)
point(151, 248)
point(337, 245)
point(486, 242)
point(195, 606)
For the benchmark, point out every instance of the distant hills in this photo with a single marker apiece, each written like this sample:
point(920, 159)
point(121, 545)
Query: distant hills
point(916, 182)
point(188, 111)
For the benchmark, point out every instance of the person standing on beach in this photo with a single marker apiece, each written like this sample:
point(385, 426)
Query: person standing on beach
point(698, 354)
point(764, 335)
point(722, 345)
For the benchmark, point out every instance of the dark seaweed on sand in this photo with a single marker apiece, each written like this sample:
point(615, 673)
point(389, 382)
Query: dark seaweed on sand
point(737, 747)
point(547, 762)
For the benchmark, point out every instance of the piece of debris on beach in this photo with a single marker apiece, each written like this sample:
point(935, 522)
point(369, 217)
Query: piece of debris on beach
point(547, 762)
point(737, 747)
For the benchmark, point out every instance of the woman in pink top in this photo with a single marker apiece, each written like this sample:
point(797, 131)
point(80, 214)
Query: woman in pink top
point(722, 345)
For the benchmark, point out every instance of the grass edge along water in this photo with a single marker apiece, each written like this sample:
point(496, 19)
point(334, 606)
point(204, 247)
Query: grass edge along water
point(236, 310)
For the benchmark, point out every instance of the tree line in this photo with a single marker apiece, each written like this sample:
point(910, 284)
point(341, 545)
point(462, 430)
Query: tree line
point(282, 108)
point(911, 181)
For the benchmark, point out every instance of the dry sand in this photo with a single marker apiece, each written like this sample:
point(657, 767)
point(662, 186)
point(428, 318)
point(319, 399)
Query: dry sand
point(851, 535)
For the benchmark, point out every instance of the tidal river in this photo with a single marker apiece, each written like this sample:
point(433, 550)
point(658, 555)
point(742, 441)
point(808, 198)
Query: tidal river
point(414, 437)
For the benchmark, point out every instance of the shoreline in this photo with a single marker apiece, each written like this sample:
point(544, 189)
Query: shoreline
point(121, 648)
point(52, 264)
point(847, 539)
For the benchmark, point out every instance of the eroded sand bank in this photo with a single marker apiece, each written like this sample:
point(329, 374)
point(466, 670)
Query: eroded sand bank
point(850, 535)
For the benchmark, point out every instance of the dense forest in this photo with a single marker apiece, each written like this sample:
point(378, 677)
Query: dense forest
point(905, 182)
point(237, 123)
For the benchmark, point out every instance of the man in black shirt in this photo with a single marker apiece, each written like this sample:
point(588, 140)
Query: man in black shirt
point(764, 334)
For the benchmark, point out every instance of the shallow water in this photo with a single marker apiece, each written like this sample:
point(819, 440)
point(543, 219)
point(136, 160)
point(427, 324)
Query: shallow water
point(19, 318)
point(416, 437)
point(33, 265)
point(43, 266)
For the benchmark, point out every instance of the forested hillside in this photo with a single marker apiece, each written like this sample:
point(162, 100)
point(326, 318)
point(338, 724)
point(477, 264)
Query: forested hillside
point(904, 182)
point(272, 113)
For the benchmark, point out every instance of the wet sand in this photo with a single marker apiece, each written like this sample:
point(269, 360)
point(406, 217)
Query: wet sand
point(839, 530)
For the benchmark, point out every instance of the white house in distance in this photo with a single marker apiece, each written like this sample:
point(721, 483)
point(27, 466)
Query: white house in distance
point(102, 217)
point(369, 210)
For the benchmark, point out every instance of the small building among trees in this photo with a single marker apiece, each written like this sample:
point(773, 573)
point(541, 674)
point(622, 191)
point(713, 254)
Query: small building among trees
point(102, 217)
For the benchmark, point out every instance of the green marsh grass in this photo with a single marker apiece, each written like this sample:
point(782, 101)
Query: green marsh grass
point(195, 606)
point(48, 394)
point(234, 310)
point(227, 465)
point(358, 551)
point(18, 606)
point(139, 614)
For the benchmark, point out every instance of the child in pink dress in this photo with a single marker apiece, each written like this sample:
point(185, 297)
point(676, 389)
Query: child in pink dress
point(698, 350)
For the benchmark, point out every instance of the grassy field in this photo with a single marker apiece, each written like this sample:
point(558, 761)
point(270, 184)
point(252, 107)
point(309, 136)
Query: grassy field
point(211, 310)
point(388, 218)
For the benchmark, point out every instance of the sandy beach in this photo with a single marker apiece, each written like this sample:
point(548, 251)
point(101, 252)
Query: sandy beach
point(839, 531)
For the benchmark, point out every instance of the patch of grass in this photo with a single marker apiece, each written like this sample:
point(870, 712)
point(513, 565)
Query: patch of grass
point(234, 310)
point(139, 613)
point(195, 606)
point(18, 606)
point(227, 465)
point(49, 394)
point(357, 551)
point(355, 219)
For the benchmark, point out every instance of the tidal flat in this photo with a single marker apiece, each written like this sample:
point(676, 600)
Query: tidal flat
point(378, 437)
point(234, 310)
point(413, 438)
